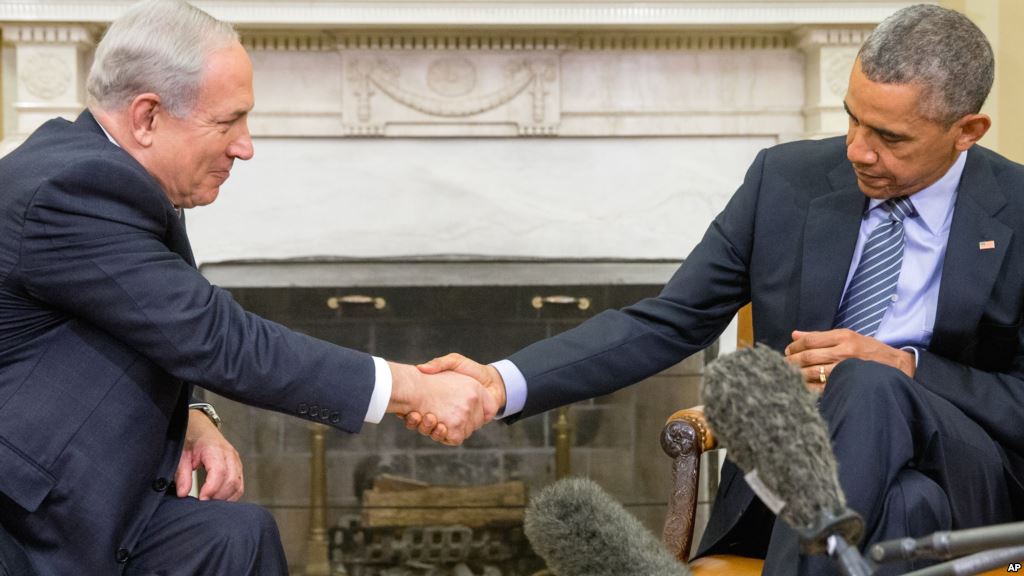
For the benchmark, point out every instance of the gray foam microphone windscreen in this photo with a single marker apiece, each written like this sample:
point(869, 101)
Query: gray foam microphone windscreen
point(579, 530)
point(765, 417)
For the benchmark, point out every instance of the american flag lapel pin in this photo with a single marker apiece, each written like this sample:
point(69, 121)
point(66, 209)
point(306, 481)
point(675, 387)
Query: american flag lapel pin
point(987, 245)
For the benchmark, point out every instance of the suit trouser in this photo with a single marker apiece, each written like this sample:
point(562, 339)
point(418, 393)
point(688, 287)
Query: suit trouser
point(189, 537)
point(909, 462)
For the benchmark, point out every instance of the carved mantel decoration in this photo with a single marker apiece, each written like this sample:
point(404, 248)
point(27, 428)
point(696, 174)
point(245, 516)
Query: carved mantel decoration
point(444, 68)
point(496, 88)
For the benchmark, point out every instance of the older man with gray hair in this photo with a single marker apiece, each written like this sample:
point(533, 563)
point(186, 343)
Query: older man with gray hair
point(106, 323)
point(887, 266)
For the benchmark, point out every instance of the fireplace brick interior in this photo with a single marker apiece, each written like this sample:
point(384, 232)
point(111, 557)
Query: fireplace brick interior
point(614, 438)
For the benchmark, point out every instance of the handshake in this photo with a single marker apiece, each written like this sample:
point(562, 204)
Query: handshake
point(447, 398)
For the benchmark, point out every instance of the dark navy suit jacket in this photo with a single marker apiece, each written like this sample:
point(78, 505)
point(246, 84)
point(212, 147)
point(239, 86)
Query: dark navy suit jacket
point(785, 242)
point(103, 318)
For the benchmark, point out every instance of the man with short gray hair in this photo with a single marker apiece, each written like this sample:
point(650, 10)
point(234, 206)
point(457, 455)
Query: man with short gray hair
point(887, 267)
point(106, 323)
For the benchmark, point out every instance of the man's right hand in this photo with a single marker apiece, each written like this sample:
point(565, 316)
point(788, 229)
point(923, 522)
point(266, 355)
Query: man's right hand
point(489, 377)
point(458, 403)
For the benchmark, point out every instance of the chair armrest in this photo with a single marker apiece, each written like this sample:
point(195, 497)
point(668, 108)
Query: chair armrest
point(684, 438)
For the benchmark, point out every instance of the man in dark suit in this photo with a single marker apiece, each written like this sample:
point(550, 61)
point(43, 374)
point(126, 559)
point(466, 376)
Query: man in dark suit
point(105, 322)
point(888, 267)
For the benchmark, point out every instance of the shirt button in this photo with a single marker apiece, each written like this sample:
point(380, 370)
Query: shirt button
point(160, 484)
point(121, 556)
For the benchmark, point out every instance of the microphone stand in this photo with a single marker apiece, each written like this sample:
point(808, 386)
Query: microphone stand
point(973, 564)
point(950, 544)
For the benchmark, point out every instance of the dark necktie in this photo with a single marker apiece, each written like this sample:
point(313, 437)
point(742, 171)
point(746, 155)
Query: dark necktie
point(873, 286)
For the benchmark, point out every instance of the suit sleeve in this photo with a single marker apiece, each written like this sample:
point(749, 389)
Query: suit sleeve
point(98, 252)
point(621, 347)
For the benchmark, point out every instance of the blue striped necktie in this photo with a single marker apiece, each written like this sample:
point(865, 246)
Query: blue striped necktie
point(873, 287)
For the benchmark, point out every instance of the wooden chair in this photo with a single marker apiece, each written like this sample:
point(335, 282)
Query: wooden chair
point(685, 437)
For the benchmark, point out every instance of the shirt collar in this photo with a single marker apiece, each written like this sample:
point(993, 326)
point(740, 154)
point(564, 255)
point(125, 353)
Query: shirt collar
point(109, 137)
point(934, 203)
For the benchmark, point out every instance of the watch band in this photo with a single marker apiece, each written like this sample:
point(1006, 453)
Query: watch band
point(208, 409)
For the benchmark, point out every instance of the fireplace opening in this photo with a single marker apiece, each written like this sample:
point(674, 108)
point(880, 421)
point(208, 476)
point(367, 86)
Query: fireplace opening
point(611, 439)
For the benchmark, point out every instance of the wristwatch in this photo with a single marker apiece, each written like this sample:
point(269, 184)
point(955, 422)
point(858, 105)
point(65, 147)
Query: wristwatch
point(207, 409)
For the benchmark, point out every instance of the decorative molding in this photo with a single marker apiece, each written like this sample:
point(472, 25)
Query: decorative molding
point(45, 75)
point(431, 90)
point(511, 41)
point(539, 130)
point(814, 37)
point(682, 41)
point(582, 41)
point(49, 34)
point(364, 129)
point(449, 40)
point(835, 70)
point(288, 41)
point(451, 76)
point(383, 74)
point(333, 13)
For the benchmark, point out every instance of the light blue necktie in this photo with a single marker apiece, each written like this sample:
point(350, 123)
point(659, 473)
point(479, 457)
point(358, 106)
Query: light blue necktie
point(873, 287)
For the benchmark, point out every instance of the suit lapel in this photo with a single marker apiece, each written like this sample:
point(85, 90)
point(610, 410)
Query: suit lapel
point(968, 271)
point(177, 238)
point(830, 236)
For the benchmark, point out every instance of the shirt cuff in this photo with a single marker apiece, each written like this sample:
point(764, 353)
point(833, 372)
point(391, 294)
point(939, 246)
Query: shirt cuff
point(381, 391)
point(515, 388)
point(917, 356)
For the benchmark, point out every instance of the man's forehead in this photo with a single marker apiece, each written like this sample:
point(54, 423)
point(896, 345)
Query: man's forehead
point(898, 103)
point(226, 89)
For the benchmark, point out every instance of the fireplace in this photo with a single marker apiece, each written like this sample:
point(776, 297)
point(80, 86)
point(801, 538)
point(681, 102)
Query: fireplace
point(484, 309)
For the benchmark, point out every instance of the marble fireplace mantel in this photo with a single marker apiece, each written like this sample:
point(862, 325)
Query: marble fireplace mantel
point(505, 129)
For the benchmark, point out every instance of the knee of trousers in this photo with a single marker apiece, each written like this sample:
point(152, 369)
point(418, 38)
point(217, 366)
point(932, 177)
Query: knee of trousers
point(858, 385)
point(917, 506)
point(244, 529)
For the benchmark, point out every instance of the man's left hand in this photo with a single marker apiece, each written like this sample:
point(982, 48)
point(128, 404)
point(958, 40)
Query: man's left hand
point(817, 353)
point(205, 446)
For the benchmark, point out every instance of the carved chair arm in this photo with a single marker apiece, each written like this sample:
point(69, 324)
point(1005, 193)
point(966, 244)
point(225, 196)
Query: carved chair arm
point(684, 438)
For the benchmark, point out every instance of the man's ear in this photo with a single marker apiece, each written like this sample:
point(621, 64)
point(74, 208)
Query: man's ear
point(970, 129)
point(144, 117)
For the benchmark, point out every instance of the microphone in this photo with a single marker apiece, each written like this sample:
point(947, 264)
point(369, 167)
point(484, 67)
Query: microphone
point(950, 544)
point(763, 414)
point(579, 530)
